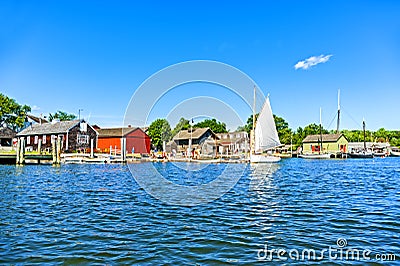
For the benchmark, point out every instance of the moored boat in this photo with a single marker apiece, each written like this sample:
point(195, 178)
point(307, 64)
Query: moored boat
point(361, 154)
point(264, 158)
point(315, 156)
point(395, 152)
point(379, 154)
point(264, 135)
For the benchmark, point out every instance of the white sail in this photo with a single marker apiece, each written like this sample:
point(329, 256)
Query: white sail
point(265, 134)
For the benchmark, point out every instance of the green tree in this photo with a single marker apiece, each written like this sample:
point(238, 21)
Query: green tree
point(284, 132)
point(314, 129)
point(183, 124)
point(298, 136)
point(62, 116)
point(12, 113)
point(249, 123)
point(213, 124)
point(159, 131)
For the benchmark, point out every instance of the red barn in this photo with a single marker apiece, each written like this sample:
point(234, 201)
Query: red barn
point(135, 138)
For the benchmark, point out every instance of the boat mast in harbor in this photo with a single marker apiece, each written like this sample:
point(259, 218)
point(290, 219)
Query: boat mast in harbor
point(338, 114)
point(365, 144)
point(320, 128)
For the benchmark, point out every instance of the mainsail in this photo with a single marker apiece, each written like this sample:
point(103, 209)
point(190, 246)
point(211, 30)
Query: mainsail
point(265, 134)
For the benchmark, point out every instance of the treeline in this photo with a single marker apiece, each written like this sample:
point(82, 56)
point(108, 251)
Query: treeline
point(13, 114)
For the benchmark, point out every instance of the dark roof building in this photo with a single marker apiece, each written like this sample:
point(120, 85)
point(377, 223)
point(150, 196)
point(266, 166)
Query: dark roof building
point(202, 138)
point(36, 119)
point(194, 134)
point(6, 136)
point(75, 134)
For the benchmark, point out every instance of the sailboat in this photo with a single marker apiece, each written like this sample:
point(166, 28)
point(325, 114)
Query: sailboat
point(363, 153)
point(264, 135)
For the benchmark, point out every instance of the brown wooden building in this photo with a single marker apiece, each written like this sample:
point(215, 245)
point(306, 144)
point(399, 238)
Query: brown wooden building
point(202, 138)
point(76, 135)
point(6, 136)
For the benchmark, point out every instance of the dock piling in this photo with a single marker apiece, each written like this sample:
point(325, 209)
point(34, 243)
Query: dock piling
point(58, 149)
point(22, 151)
point(53, 151)
point(91, 148)
point(18, 150)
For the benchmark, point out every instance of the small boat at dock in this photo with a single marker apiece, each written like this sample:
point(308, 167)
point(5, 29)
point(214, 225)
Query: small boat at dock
point(264, 135)
point(315, 156)
point(395, 152)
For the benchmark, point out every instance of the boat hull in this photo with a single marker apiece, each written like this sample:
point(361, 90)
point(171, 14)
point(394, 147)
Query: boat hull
point(315, 156)
point(395, 153)
point(263, 158)
point(361, 155)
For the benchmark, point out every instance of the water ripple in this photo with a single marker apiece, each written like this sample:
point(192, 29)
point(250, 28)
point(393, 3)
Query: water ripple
point(97, 214)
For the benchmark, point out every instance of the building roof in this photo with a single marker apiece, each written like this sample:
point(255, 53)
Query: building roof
point(360, 145)
point(325, 138)
point(115, 131)
point(49, 128)
point(231, 137)
point(195, 134)
point(6, 132)
point(37, 119)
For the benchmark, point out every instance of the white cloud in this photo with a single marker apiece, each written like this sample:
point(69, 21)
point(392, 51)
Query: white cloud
point(312, 61)
point(35, 108)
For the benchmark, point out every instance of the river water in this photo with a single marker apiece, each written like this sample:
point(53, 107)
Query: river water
point(98, 214)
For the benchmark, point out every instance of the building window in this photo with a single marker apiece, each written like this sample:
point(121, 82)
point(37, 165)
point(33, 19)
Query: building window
point(44, 139)
point(238, 136)
point(36, 139)
point(83, 139)
point(83, 127)
point(28, 140)
point(53, 138)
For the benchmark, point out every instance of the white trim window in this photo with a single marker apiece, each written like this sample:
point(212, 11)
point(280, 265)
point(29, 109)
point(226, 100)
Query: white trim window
point(44, 139)
point(83, 139)
point(83, 127)
point(28, 140)
point(36, 139)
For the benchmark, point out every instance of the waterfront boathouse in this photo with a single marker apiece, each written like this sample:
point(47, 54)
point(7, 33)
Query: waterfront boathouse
point(331, 143)
point(135, 137)
point(76, 135)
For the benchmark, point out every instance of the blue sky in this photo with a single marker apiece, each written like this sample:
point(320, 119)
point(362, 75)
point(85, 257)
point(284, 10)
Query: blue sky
point(67, 55)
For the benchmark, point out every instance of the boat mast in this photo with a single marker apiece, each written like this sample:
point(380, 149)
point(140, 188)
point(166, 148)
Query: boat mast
point(320, 128)
point(254, 121)
point(338, 113)
point(365, 145)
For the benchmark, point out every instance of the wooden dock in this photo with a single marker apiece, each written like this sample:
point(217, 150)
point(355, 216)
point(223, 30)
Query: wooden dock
point(11, 158)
